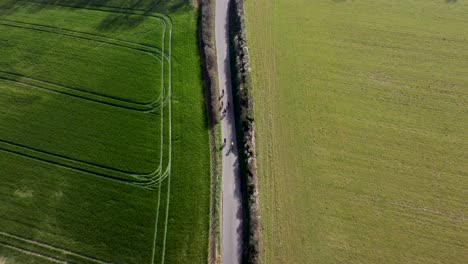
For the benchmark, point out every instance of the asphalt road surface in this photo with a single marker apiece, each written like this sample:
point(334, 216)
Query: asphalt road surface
point(231, 219)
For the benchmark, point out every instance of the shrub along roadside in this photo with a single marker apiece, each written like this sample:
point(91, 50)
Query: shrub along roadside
point(209, 61)
point(243, 106)
point(210, 80)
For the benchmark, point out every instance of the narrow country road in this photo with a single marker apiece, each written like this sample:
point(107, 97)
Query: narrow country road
point(231, 219)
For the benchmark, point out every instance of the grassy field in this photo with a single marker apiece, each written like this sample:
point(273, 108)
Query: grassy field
point(362, 118)
point(103, 139)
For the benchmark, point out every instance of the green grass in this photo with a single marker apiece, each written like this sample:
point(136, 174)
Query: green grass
point(31, 113)
point(110, 74)
point(93, 155)
point(361, 111)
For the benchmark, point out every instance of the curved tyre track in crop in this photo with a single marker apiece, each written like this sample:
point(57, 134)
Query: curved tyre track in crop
point(32, 253)
point(48, 86)
point(98, 97)
point(14, 239)
point(132, 177)
point(150, 184)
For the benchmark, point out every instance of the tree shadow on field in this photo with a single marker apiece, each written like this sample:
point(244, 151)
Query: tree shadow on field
point(114, 21)
point(121, 19)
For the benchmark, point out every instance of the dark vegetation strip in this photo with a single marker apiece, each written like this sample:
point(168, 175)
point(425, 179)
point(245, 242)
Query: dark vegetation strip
point(206, 30)
point(146, 6)
point(245, 126)
point(210, 66)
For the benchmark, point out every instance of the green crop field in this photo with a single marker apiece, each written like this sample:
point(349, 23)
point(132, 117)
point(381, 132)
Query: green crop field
point(104, 152)
point(362, 117)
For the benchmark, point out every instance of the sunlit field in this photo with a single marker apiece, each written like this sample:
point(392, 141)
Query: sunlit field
point(103, 139)
point(362, 124)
